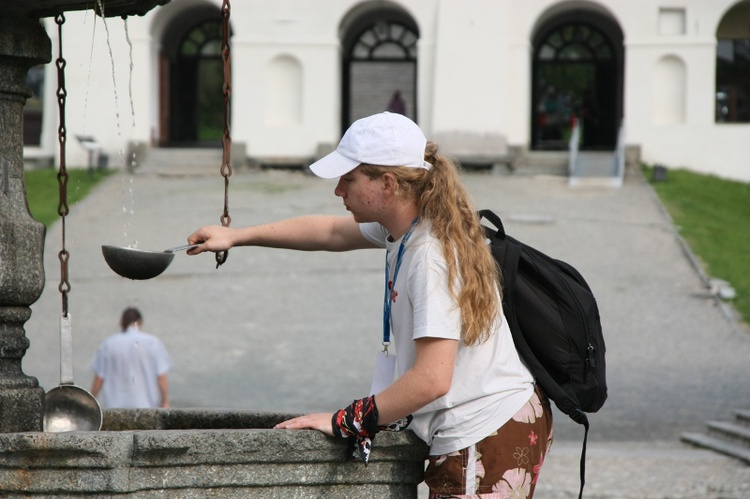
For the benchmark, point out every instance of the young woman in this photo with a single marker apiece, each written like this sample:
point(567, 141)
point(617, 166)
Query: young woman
point(462, 387)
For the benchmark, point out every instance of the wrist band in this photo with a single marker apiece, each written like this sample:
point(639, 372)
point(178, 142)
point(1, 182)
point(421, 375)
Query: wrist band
point(359, 423)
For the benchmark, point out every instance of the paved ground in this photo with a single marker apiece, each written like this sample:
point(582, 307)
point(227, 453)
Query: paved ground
point(280, 330)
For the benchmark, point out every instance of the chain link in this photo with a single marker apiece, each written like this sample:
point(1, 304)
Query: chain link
point(62, 175)
point(226, 140)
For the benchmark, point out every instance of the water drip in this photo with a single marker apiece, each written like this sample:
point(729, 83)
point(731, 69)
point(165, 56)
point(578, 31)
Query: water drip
point(128, 209)
point(130, 74)
point(114, 77)
point(88, 75)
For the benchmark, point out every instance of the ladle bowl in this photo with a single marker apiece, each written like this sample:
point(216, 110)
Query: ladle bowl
point(71, 408)
point(68, 407)
point(137, 263)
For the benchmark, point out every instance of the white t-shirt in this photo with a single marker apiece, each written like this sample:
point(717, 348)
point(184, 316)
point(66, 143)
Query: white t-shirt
point(129, 363)
point(490, 382)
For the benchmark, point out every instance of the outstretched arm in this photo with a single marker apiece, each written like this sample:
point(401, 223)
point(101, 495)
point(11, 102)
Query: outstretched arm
point(307, 233)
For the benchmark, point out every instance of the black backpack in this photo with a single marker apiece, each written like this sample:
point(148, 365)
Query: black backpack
point(554, 320)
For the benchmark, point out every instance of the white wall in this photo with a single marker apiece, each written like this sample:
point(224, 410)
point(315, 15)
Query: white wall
point(470, 71)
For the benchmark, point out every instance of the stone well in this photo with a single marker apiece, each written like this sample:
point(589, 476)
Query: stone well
point(192, 453)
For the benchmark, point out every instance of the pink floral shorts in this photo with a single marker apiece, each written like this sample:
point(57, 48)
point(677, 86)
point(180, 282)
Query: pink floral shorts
point(504, 464)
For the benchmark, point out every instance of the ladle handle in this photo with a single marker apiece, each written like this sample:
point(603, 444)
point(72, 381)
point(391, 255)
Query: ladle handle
point(66, 350)
point(180, 248)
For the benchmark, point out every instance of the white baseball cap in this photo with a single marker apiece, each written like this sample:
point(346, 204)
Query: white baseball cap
point(384, 139)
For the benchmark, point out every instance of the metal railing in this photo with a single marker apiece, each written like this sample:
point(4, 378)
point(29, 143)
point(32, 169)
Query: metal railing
point(573, 145)
point(620, 155)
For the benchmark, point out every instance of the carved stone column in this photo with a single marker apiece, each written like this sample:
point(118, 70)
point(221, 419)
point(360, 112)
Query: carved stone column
point(23, 44)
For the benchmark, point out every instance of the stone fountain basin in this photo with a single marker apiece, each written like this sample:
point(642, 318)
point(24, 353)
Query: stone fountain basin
point(192, 453)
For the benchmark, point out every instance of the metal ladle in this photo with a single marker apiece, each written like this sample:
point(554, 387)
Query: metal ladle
point(140, 264)
point(69, 407)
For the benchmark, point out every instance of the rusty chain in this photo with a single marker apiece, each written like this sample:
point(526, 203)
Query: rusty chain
point(226, 140)
point(62, 175)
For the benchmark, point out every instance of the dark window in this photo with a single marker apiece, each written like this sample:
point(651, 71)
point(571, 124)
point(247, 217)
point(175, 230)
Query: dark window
point(32, 111)
point(733, 81)
point(197, 79)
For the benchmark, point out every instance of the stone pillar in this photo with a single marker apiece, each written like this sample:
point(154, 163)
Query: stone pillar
point(23, 44)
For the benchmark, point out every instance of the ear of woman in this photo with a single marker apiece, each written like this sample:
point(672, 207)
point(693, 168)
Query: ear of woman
point(390, 183)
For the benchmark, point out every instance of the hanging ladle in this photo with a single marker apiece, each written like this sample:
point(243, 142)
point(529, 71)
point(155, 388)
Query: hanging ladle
point(140, 264)
point(69, 407)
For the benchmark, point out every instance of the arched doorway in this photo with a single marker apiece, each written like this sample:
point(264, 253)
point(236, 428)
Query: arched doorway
point(379, 60)
point(192, 79)
point(577, 75)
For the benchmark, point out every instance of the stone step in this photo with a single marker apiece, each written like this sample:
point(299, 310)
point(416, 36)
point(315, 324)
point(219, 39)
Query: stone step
point(595, 164)
point(720, 445)
point(543, 162)
point(595, 169)
point(742, 416)
point(737, 433)
point(175, 161)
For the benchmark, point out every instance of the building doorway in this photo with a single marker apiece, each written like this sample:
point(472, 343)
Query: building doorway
point(191, 81)
point(379, 65)
point(577, 77)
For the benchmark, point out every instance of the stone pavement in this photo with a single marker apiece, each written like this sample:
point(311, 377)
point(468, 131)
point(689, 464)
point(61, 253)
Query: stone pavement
point(277, 330)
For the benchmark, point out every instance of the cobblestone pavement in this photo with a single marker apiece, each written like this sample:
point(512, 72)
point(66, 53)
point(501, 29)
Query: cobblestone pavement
point(272, 329)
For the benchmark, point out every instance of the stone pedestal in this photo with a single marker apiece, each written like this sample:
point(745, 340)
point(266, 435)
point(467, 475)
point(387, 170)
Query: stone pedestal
point(23, 44)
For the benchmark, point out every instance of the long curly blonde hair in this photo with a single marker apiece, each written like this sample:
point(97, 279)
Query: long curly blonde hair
point(473, 272)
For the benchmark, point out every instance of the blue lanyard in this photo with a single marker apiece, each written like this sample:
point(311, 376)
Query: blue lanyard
point(390, 284)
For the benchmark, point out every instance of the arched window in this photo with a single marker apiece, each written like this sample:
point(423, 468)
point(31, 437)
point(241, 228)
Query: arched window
point(386, 40)
point(733, 65)
point(575, 42)
point(380, 66)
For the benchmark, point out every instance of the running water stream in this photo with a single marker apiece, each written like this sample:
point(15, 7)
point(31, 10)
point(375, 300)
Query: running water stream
point(130, 74)
point(130, 161)
point(114, 76)
point(128, 207)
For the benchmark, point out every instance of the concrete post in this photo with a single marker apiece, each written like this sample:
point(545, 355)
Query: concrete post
point(23, 44)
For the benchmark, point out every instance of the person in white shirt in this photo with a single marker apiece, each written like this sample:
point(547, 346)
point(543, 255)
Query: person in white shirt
point(130, 367)
point(461, 386)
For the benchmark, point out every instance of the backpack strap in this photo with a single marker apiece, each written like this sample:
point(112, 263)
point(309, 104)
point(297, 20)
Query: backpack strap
point(491, 217)
point(581, 418)
point(508, 258)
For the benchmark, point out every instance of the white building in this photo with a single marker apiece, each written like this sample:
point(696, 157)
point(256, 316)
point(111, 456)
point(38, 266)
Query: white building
point(675, 73)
